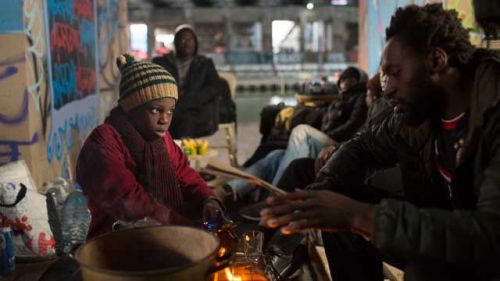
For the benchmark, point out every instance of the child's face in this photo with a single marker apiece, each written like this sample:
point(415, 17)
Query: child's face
point(153, 119)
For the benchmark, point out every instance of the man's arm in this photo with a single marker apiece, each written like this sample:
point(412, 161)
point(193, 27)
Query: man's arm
point(469, 236)
point(461, 237)
point(371, 149)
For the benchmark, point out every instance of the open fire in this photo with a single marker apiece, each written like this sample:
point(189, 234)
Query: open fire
point(239, 272)
point(230, 276)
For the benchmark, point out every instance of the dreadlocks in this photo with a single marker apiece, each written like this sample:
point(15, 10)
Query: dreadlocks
point(422, 28)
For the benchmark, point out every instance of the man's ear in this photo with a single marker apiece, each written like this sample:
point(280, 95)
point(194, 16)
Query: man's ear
point(437, 60)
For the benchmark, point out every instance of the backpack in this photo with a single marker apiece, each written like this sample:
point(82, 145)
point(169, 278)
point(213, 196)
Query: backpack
point(268, 118)
point(290, 117)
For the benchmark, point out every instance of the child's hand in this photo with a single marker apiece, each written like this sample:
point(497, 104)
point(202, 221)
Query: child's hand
point(212, 209)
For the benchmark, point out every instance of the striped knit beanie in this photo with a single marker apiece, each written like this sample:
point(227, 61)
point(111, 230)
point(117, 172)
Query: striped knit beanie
point(142, 82)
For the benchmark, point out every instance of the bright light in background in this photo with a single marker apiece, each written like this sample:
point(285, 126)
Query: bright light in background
point(167, 39)
point(280, 29)
point(290, 101)
point(310, 6)
point(139, 28)
point(339, 2)
point(139, 40)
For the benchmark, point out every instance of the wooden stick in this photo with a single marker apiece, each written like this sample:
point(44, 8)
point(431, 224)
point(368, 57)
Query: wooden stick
point(221, 169)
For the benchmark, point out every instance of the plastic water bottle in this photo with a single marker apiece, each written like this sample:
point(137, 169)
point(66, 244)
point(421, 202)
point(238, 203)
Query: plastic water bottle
point(75, 220)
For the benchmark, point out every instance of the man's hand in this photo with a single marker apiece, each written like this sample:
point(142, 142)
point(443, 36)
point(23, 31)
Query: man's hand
point(212, 209)
point(325, 210)
point(323, 156)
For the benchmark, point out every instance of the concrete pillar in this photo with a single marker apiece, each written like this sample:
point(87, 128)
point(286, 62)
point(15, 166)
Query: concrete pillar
point(363, 36)
point(267, 33)
point(151, 40)
point(228, 29)
point(302, 24)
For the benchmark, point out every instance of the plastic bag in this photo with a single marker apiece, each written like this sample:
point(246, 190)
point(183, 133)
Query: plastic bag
point(25, 210)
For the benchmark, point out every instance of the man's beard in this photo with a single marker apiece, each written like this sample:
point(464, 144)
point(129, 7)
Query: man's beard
point(424, 102)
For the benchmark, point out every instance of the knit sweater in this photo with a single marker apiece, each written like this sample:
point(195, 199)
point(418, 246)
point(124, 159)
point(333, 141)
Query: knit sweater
point(107, 173)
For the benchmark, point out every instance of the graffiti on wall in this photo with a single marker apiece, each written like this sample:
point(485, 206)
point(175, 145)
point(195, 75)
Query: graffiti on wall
point(465, 12)
point(11, 16)
point(60, 75)
point(111, 31)
point(36, 59)
point(61, 139)
point(18, 117)
point(72, 41)
point(73, 50)
point(10, 147)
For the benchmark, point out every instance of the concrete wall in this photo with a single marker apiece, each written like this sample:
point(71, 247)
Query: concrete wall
point(57, 78)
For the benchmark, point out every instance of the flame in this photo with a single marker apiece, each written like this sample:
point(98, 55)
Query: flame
point(222, 252)
point(230, 276)
point(247, 238)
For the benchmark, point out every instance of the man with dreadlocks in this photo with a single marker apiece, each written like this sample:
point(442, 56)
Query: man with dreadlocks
point(130, 168)
point(445, 135)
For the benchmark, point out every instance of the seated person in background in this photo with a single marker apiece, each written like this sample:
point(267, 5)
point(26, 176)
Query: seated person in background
point(277, 121)
point(302, 172)
point(130, 168)
point(341, 121)
point(199, 86)
point(445, 135)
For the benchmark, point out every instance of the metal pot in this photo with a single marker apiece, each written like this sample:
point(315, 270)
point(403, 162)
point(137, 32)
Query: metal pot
point(151, 253)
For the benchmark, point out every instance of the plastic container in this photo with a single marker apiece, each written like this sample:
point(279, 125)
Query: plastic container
point(75, 220)
point(7, 254)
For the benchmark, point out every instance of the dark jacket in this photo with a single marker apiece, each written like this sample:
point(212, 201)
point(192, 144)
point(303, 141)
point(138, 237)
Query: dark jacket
point(344, 117)
point(107, 173)
point(428, 225)
point(197, 110)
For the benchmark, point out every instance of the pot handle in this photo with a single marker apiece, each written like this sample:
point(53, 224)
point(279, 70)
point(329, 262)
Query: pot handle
point(221, 262)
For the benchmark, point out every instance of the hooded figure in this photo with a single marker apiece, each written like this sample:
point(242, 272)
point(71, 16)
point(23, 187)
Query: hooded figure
point(199, 86)
point(347, 115)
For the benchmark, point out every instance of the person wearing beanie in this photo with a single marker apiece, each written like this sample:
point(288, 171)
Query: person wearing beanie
point(200, 87)
point(130, 168)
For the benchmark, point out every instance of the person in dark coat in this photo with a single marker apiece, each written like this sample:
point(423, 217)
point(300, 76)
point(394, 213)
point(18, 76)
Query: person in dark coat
point(200, 87)
point(444, 133)
point(130, 168)
point(341, 121)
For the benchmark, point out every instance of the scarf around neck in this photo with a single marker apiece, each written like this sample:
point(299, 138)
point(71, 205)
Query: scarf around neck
point(154, 168)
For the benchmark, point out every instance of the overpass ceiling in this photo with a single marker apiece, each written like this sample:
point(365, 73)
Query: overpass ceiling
point(141, 4)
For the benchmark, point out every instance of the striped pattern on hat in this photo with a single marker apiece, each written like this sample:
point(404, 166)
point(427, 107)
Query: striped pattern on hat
point(142, 82)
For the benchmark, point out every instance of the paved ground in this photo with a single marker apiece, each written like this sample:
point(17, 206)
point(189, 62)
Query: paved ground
point(248, 138)
point(248, 114)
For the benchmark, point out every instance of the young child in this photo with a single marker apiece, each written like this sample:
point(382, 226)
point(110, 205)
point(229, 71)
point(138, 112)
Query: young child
point(130, 168)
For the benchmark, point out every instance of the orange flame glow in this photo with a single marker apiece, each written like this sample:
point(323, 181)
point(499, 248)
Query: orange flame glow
point(230, 276)
point(222, 252)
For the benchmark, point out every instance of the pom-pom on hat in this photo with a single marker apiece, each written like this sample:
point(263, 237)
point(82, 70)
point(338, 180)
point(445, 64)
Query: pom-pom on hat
point(142, 82)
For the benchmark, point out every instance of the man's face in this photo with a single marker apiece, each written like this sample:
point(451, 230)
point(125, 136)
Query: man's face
point(153, 119)
point(407, 84)
point(187, 42)
point(347, 83)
